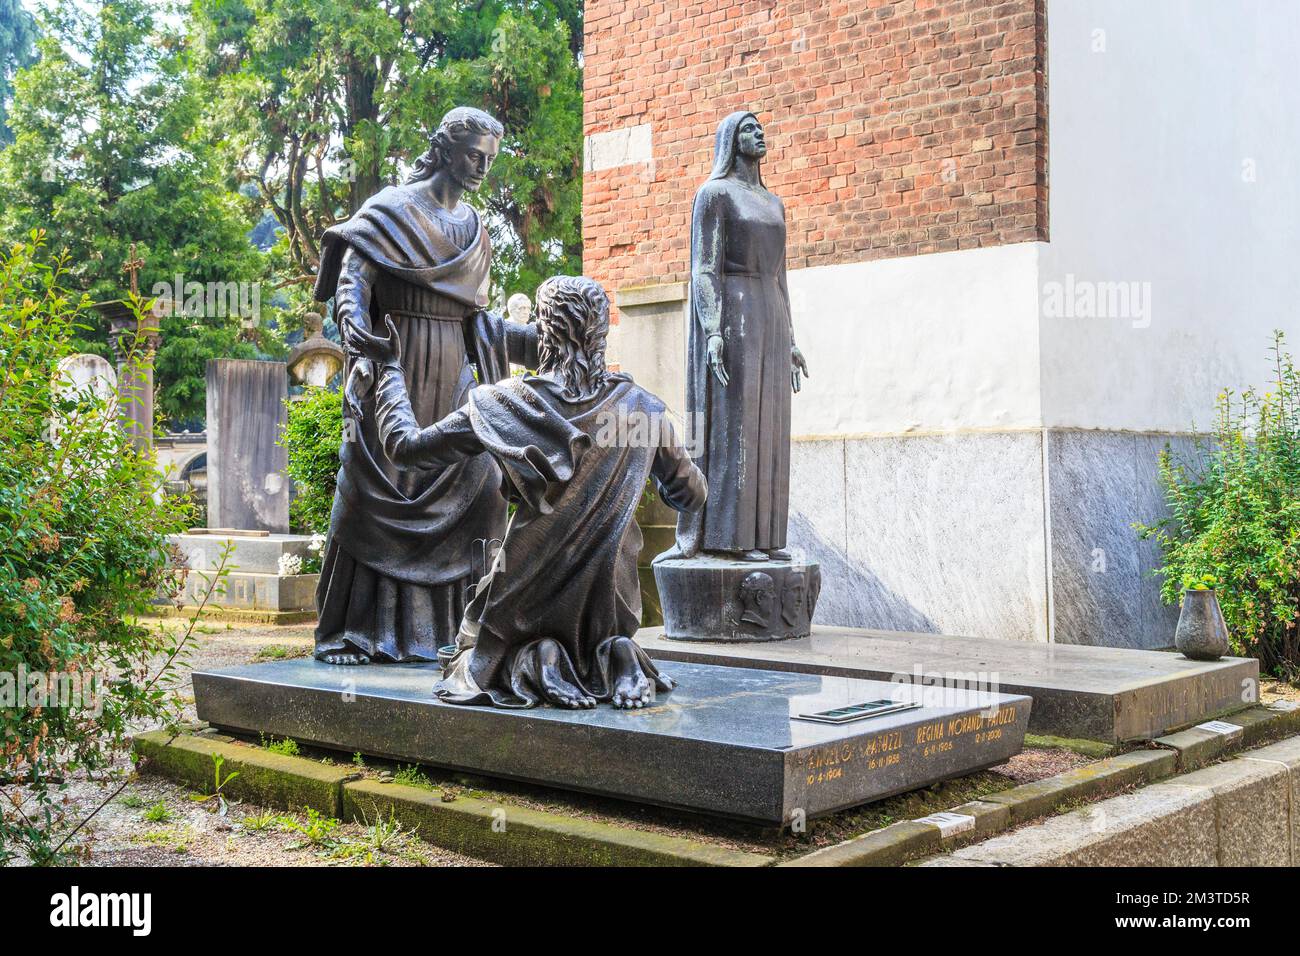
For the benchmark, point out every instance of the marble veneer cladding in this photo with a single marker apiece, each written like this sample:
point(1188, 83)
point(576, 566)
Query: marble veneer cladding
point(1024, 535)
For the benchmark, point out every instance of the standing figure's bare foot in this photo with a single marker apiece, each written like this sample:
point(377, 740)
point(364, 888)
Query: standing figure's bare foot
point(344, 658)
point(555, 689)
point(632, 688)
point(778, 554)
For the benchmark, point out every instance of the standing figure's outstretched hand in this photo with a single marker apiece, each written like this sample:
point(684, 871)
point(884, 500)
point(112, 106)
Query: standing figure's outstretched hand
point(386, 350)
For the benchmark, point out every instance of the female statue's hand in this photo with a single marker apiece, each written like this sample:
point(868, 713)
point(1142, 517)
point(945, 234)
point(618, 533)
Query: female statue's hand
point(798, 368)
point(382, 351)
point(716, 360)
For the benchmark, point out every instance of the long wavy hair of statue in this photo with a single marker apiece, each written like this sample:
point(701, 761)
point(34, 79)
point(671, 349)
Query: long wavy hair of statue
point(456, 125)
point(572, 324)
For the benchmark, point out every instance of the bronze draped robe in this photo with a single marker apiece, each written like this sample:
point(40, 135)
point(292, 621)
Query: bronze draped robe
point(742, 430)
point(406, 545)
point(567, 568)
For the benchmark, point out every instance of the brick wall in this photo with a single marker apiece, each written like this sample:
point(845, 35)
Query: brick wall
point(895, 127)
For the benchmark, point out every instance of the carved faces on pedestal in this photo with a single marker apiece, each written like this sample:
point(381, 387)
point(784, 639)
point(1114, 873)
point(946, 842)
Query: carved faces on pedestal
point(774, 603)
point(756, 595)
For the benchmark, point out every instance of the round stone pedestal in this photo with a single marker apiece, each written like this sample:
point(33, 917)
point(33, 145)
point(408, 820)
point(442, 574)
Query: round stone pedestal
point(714, 598)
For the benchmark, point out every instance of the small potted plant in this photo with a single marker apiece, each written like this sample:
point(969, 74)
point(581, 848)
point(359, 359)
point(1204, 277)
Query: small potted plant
point(1202, 634)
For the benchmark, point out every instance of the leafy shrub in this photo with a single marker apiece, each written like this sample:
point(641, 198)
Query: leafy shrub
point(312, 439)
point(1234, 519)
point(83, 550)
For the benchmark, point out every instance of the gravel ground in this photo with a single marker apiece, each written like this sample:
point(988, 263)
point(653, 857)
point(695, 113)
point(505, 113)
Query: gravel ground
point(153, 822)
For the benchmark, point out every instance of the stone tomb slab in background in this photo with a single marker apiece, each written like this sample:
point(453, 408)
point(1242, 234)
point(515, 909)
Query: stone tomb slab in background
point(1100, 693)
point(724, 742)
point(253, 581)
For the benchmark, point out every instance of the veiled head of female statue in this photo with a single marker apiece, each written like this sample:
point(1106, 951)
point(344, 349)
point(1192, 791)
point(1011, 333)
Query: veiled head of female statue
point(465, 145)
point(740, 134)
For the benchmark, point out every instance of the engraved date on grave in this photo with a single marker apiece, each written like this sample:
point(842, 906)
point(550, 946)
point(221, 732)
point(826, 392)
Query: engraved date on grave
point(874, 753)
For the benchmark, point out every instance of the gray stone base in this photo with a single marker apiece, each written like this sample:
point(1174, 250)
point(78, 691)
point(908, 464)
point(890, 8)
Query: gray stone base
point(256, 553)
point(252, 581)
point(725, 741)
point(712, 598)
point(1099, 693)
point(254, 592)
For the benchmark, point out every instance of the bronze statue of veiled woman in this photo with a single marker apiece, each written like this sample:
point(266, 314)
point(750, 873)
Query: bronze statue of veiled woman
point(743, 363)
point(400, 557)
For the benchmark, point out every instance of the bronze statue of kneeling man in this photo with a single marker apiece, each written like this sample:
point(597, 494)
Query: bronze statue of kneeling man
point(552, 620)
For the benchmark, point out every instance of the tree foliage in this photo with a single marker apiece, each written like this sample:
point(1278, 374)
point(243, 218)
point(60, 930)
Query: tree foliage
point(318, 102)
point(17, 50)
point(1235, 518)
point(312, 438)
point(108, 151)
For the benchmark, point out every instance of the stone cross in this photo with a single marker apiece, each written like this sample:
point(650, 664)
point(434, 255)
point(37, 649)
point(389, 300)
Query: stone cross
point(132, 268)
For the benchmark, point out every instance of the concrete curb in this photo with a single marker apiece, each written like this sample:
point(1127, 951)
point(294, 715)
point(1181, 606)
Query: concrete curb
point(496, 832)
point(1205, 743)
point(266, 778)
point(519, 836)
point(1242, 812)
point(242, 615)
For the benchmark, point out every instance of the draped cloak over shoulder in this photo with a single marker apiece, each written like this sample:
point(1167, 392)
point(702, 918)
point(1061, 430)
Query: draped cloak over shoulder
point(566, 571)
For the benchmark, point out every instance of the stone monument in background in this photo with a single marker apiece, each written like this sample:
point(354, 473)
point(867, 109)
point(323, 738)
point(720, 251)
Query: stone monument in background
point(247, 484)
point(315, 360)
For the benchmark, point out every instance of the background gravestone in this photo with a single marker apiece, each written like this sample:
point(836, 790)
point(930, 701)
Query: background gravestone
point(84, 378)
point(247, 487)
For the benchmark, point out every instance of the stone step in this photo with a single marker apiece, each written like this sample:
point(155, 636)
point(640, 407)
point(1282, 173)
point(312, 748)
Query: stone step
point(257, 553)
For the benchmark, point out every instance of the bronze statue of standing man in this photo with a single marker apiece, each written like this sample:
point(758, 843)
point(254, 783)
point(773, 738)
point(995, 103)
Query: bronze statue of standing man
point(400, 558)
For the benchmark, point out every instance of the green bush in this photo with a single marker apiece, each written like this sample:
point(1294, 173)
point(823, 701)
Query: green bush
point(1234, 519)
point(312, 439)
point(84, 548)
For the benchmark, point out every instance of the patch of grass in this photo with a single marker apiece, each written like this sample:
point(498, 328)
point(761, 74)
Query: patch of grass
point(288, 747)
point(412, 776)
point(317, 829)
point(158, 813)
point(384, 836)
point(279, 652)
point(177, 839)
point(266, 820)
point(133, 801)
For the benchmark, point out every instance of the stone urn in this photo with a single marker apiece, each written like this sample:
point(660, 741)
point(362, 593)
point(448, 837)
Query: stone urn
point(1202, 634)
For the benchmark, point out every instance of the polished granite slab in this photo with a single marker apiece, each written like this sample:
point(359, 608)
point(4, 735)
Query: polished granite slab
point(1100, 693)
point(725, 742)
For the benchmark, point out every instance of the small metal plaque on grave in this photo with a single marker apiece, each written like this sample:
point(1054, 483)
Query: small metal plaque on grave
point(854, 712)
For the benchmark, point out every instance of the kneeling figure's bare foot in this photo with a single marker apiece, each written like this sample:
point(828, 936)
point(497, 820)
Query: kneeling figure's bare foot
point(632, 688)
point(344, 658)
point(555, 689)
